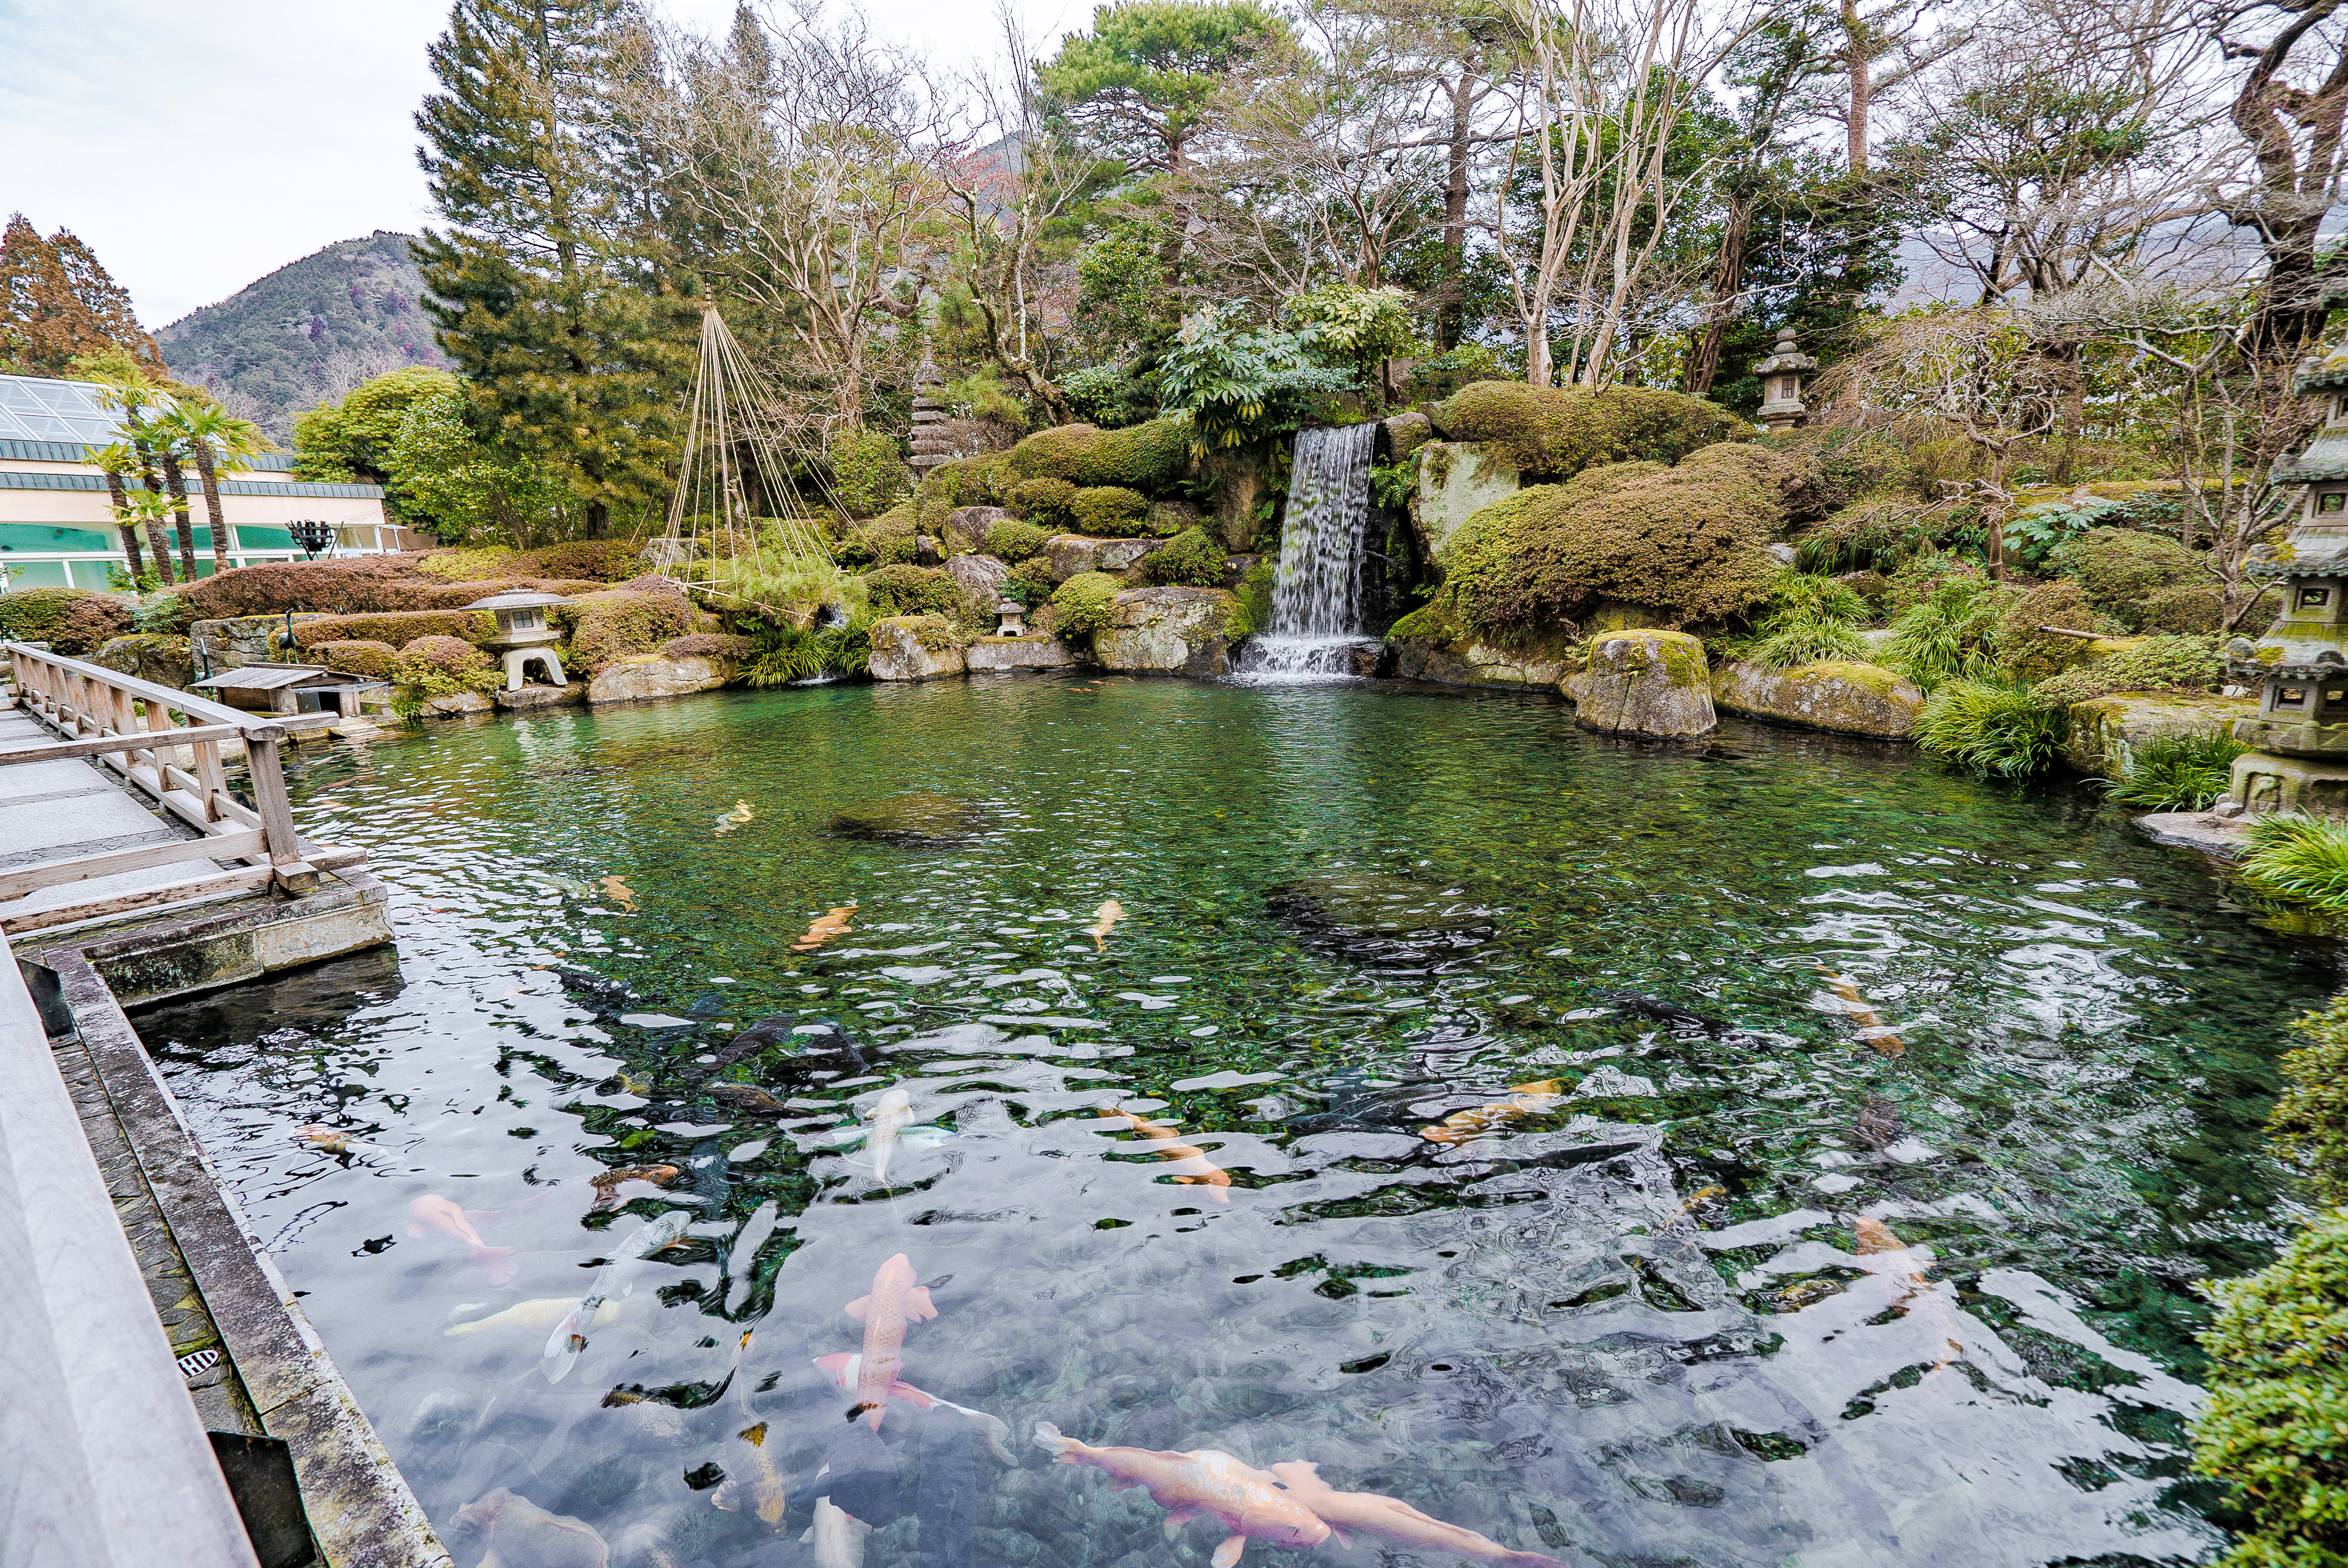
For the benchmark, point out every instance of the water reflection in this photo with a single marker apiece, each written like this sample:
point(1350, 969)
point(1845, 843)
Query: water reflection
point(1778, 1156)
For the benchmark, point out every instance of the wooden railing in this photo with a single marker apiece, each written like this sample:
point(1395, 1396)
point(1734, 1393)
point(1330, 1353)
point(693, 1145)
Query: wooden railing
point(166, 745)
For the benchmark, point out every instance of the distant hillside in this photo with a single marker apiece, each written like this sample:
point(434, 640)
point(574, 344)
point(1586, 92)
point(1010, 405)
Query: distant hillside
point(307, 332)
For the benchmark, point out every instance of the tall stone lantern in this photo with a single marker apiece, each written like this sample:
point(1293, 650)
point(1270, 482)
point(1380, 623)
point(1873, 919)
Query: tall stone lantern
point(2300, 738)
point(1781, 384)
point(930, 443)
point(523, 634)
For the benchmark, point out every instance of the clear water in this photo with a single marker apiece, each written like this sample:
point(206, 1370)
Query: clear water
point(1316, 593)
point(1634, 1324)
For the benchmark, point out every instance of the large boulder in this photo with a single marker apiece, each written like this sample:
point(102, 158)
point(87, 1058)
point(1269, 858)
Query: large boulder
point(1643, 684)
point(1071, 554)
point(1455, 480)
point(1849, 699)
point(965, 526)
point(639, 676)
point(1040, 652)
point(915, 647)
point(164, 659)
point(2102, 727)
point(1432, 644)
point(1173, 630)
point(981, 578)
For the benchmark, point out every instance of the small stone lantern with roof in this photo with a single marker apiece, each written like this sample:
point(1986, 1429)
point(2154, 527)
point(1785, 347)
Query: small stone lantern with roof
point(1781, 384)
point(2299, 759)
point(523, 634)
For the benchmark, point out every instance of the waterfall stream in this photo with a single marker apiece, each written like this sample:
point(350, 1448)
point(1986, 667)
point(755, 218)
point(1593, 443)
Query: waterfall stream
point(1316, 598)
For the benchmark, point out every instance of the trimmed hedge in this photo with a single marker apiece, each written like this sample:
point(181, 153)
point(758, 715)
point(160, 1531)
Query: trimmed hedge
point(889, 539)
point(1146, 457)
point(914, 590)
point(1552, 432)
point(356, 585)
point(1013, 542)
point(359, 656)
point(1047, 503)
point(398, 628)
point(634, 618)
point(2155, 664)
point(723, 647)
point(70, 619)
point(1083, 603)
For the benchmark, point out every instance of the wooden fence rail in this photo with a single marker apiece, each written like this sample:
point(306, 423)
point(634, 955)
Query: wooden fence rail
point(166, 745)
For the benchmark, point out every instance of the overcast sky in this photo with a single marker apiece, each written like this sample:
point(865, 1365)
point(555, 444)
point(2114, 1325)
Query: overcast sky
point(197, 145)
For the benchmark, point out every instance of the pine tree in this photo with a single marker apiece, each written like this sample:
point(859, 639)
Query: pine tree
point(539, 284)
point(57, 302)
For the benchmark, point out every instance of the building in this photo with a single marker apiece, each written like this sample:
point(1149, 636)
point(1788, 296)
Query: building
point(58, 529)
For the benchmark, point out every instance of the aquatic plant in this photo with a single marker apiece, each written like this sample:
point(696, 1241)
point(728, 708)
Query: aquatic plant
point(2302, 858)
point(1555, 432)
point(2156, 664)
point(2173, 772)
point(1992, 729)
point(1949, 634)
point(1083, 603)
point(1192, 558)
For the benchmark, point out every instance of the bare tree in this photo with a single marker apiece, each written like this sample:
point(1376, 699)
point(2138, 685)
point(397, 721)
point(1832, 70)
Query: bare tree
point(2288, 113)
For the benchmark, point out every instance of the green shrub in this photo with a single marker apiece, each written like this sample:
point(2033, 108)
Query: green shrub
point(968, 482)
point(2277, 1411)
point(1107, 396)
point(2118, 568)
point(886, 541)
point(1874, 534)
point(1167, 518)
point(779, 651)
point(607, 627)
point(2302, 859)
point(1047, 503)
point(2155, 664)
point(72, 621)
point(1811, 618)
point(868, 474)
point(2310, 1122)
point(581, 560)
point(1030, 581)
point(2031, 654)
point(2189, 609)
point(1083, 603)
point(1147, 457)
point(1950, 634)
point(360, 656)
point(1832, 468)
point(1192, 560)
point(2173, 772)
point(1110, 511)
point(1991, 729)
point(1552, 432)
point(914, 590)
point(1012, 541)
point(1684, 541)
point(435, 666)
point(1914, 578)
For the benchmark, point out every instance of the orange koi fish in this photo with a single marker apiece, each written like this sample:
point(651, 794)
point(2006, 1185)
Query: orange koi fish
point(434, 1212)
point(1394, 1520)
point(846, 1366)
point(1192, 1164)
point(1873, 1238)
point(895, 1302)
point(607, 1185)
point(1206, 1481)
point(827, 925)
point(1864, 1019)
point(1524, 1100)
point(1105, 919)
point(619, 893)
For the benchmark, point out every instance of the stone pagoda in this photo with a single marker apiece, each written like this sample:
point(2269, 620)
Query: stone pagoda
point(2300, 738)
point(1781, 384)
point(930, 443)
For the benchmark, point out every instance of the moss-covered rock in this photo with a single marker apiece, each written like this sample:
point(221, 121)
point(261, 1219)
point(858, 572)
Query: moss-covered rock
point(619, 623)
point(1190, 559)
point(1686, 542)
point(1110, 511)
point(915, 647)
point(1452, 481)
point(1146, 457)
point(890, 539)
point(1045, 502)
point(1168, 630)
point(1434, 644)
point(1009, 540)
point(1554, 433)
point(918, 590)
point(163, 659)
point(1643, 684)
point(639, 677)
point(2102, 726)
point(1081, 604)
point(1406, 433)
point(1846, 698)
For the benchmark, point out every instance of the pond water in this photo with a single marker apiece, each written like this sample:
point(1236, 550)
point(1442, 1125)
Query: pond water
point(1878, 1123)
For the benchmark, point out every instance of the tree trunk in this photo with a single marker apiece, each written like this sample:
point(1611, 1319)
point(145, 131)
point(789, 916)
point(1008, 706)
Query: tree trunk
point(599, 520)
point(155, 544)
point(209, 477)
point(122, 504)
point(1860, 68)
point(1451, 308)
point(2071, 418)
point(175, 481)
point(1727, 283)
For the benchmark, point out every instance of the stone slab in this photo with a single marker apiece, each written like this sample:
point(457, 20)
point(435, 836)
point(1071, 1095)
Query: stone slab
point(1042, 651)
point(2210, 833)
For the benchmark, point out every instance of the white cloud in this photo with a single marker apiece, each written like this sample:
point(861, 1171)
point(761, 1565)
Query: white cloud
point(198, 146)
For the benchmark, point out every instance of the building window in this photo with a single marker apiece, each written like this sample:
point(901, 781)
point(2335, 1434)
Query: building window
point(2333, 501)
point(2314, 598)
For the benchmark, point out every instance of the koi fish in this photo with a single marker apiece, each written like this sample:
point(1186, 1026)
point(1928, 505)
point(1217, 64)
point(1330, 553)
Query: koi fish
point(747, 1096)
point(619, 893)
point(1873, 1238)
point(1864, 1019)
point(1105, 919)
point(544, 1312)
point(1878, 1123)
point(634, 1082)
point(734, 818)
point(832, 923)
point(891, 1116)
point(1393, 1520)
point(1191, 1165)
point(436, 1213)
point(617, 1276)
point(760, 1483)
point(839, 1536)
point(1524, 1100)
point(1243, 1500)
point(846, 1366)
point(524, 1535)
point(337, 1141)
point(607, 1185)
point(895, 1302)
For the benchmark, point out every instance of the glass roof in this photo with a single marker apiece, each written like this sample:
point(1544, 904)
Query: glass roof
point(35, 409)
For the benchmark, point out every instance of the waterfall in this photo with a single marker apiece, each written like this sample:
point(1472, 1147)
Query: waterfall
point(1316, 596)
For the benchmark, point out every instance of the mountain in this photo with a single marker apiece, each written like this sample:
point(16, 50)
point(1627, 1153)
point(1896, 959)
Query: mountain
point(307, 332)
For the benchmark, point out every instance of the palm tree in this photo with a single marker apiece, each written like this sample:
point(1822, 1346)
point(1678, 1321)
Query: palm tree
point(115, 461)
point(149, 509)
point(134, 400)
point(219, 442)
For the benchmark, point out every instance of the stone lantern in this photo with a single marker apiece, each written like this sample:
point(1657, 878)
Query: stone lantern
point(2300, 738)
point(1781, 384)
point(523, 634)
point(1011, 619)
point(930, 443)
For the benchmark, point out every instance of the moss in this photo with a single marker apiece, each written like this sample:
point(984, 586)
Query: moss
point(915, 590)
point(1083, 603)
point(1557, 431)
point(1167, 518)
point(1192, 560)
point(2154, 664)
point(360, 656)
point(968, 482)
point(1870, 678)
point(1012, 541)
point(2035, 655)
point(1110, 511)
point(934, 632)
point(2118, 568)
point(1254, 612)
point(1683, 542)
point(886, 541)
point(2187, 607)
point(398, 628)
point(1047, 503)
point(608, 626)
point(1436, 622)
point(1147, 458)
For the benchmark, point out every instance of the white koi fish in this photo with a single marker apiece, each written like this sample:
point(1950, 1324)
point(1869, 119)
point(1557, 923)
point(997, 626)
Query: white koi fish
point(616, 1277)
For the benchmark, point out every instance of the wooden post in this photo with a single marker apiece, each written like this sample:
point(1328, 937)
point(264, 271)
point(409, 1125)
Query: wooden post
point(294, 875)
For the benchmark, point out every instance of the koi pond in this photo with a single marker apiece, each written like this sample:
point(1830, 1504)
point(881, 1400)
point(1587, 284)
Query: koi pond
point(791, 1118)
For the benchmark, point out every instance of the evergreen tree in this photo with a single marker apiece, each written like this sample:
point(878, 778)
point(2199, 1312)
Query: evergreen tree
point(57, 302)
point(569, 337)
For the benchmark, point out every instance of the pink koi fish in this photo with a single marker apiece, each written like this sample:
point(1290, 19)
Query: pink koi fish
point(1208, 1482)
point(1394, 1520)
point(846, 1366)
point(433, 1212)
point(895, 1302)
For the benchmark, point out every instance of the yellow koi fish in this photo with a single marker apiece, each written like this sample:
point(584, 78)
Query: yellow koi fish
point(736, 817)
point(1863, 1019)
point(619, 893)
point(1190, 1164)
point(833, 923)
point(1524, 1100)
point(1105, 919)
